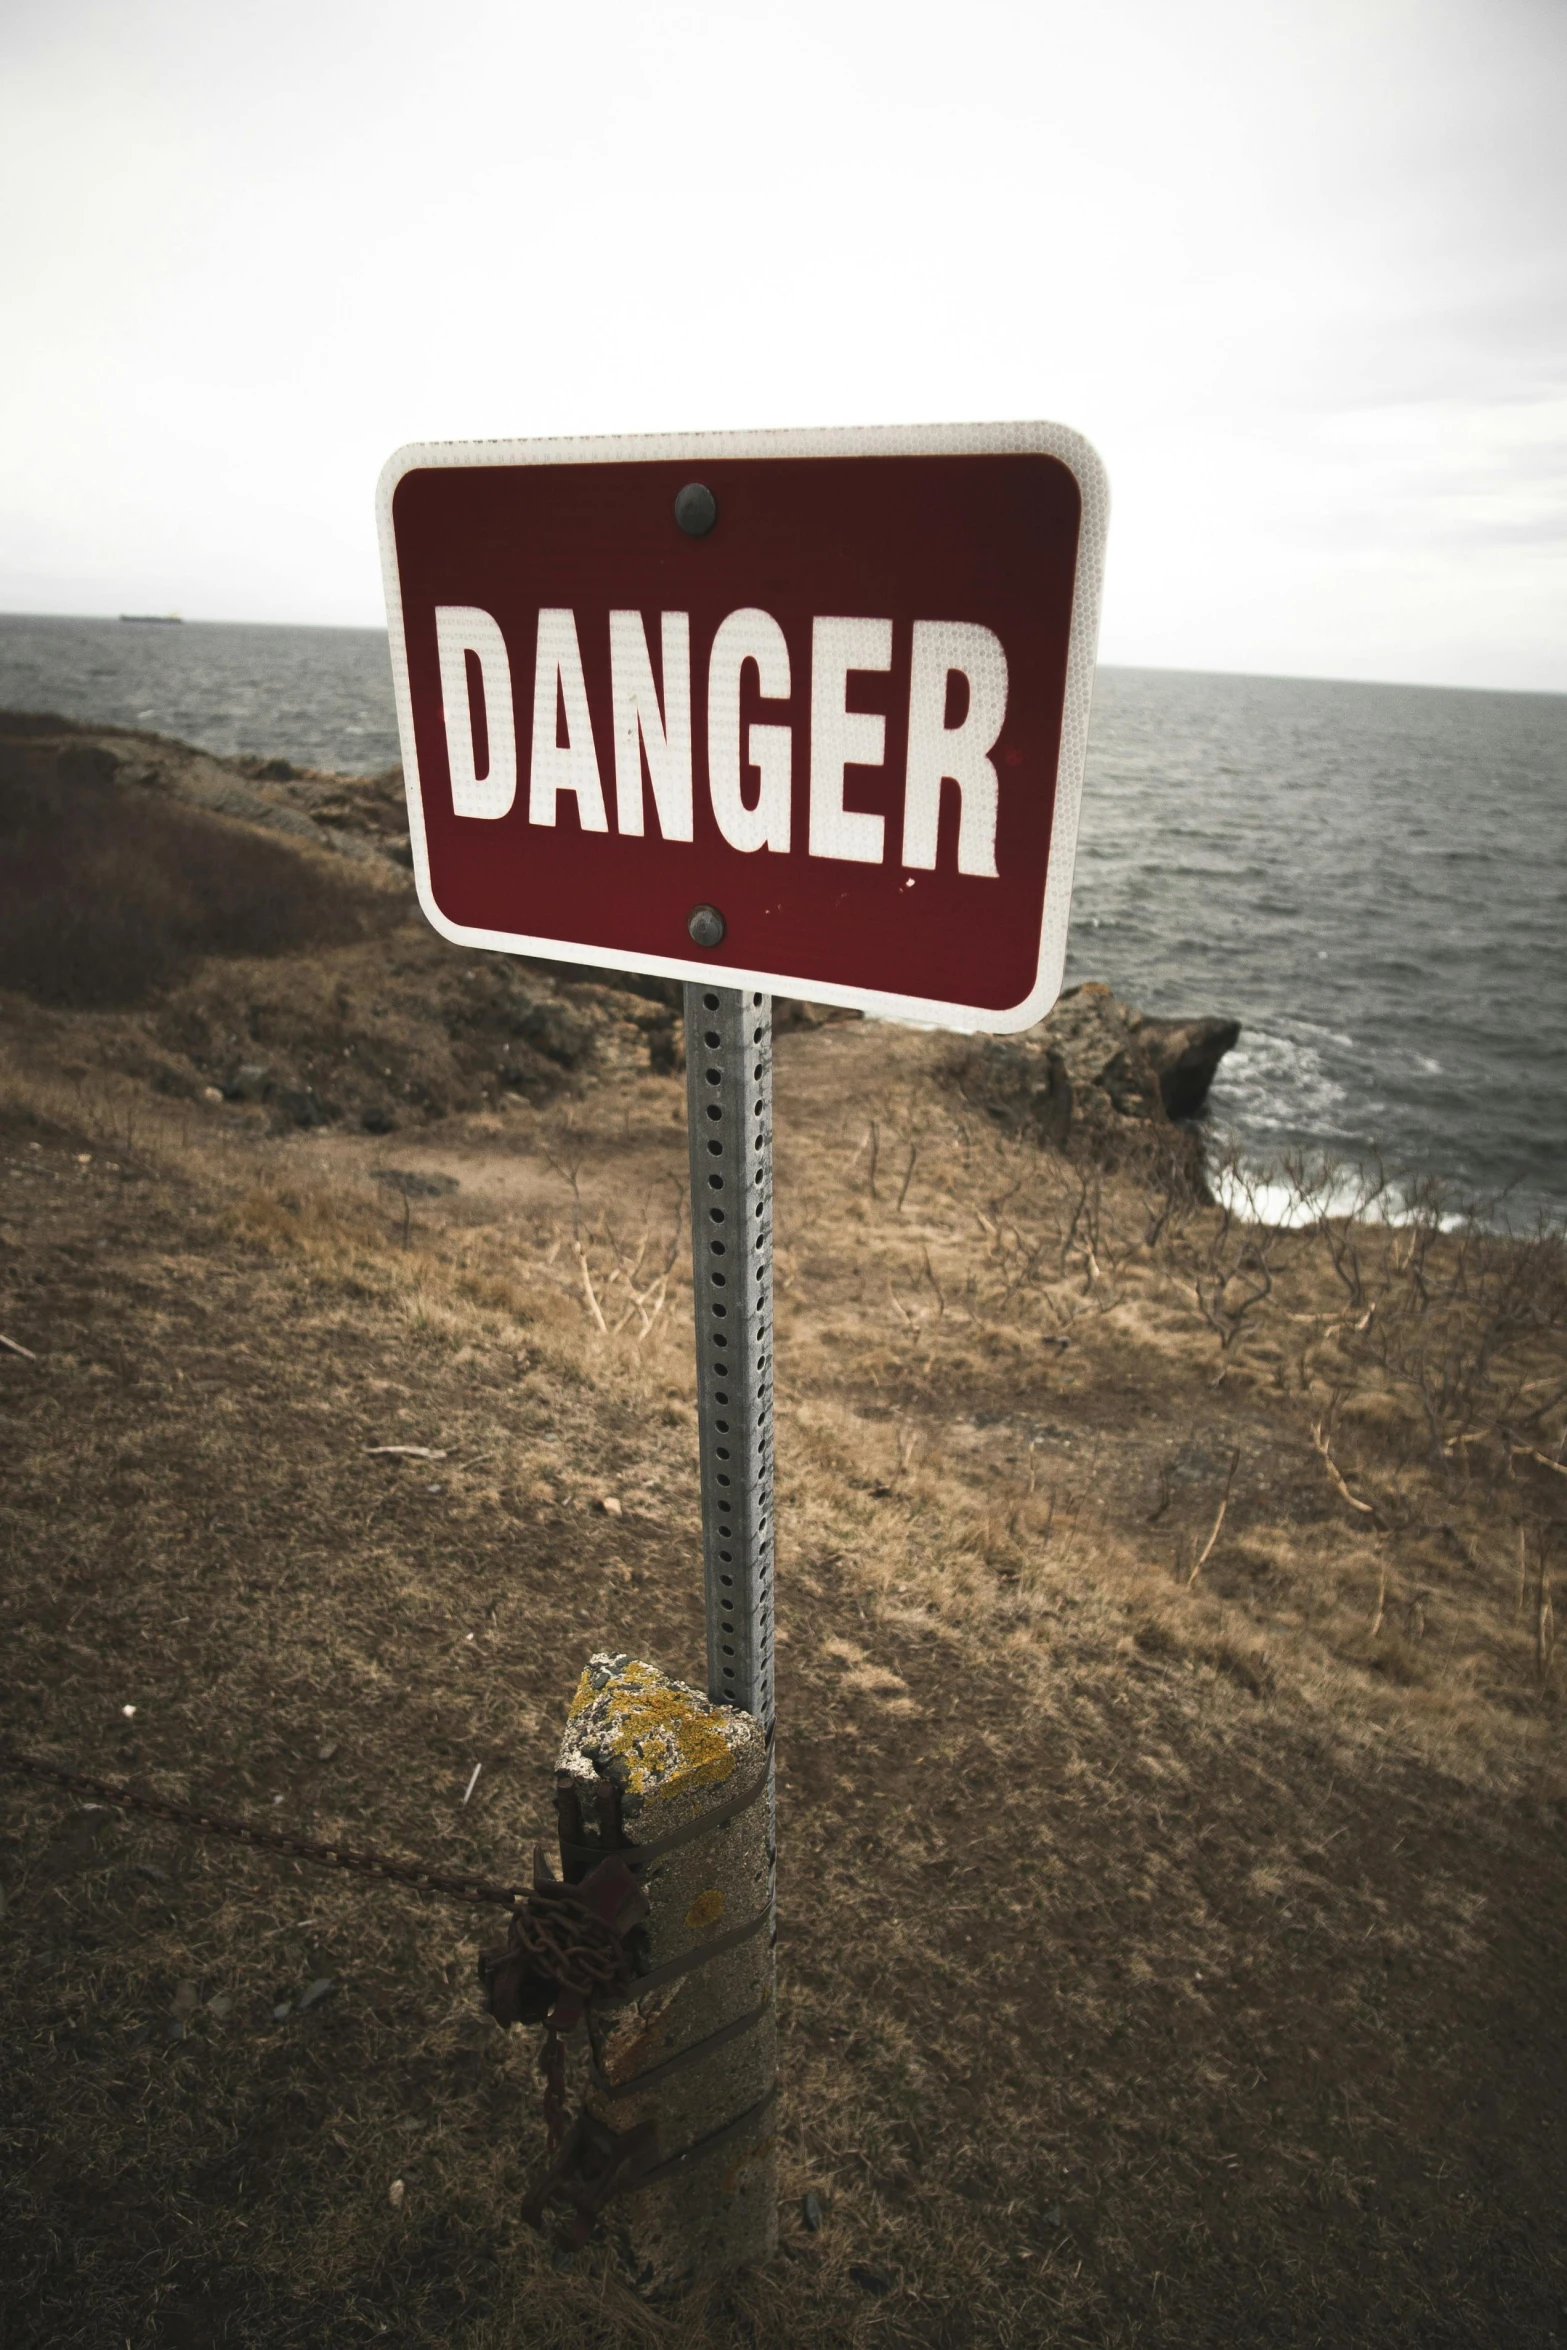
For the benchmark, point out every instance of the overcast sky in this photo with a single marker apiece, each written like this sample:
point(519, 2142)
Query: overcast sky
point(1297, 267)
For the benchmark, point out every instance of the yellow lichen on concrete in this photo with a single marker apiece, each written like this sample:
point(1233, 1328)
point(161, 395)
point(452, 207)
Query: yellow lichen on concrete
point(660, 1732)
point(706, 1910)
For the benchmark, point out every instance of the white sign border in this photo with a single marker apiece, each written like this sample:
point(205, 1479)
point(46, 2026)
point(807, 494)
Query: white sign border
point(909, 440)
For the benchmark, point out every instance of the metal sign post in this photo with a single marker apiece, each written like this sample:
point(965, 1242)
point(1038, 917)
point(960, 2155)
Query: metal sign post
point(729, 1096)
point(798, 713)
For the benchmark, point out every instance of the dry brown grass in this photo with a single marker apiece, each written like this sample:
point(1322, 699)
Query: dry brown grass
point(1169, 1957)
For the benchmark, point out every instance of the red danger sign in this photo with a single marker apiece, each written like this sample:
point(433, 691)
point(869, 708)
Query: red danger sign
point(798, 711)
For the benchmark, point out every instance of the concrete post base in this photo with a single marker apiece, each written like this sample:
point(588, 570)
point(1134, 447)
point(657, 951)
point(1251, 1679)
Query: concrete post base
point(695, 2052)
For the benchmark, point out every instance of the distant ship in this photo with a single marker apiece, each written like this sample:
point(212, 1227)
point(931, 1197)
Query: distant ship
point(154, 619)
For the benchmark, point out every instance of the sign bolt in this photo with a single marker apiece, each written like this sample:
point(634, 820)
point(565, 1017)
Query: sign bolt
point(696, 509)
point(706, 925)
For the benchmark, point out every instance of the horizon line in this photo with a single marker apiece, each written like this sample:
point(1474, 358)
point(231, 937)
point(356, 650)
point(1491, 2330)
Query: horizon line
point(1153, 668)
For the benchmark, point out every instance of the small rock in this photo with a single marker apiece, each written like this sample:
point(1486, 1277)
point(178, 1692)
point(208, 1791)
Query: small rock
point(395, 2193)
point(324, 1753)
point(1053, 2216)
point(811, 2212)
point(321, 1988)
point(212, 1093)
point(610, 1506)
point(129, 1711)
point(249, 1082)
point(221, 2004)
point(185, 1999)
point(284, 2007)
point(870, 2280)
point(151, 1871)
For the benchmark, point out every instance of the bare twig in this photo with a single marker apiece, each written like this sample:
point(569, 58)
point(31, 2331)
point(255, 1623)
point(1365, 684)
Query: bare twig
point(587, 1283)
point(1322, 1439)
point(659, 1294)
point(412, 1452)
point(1206, 1552)
point(12, 1348)
point(908, 1175)
point(567, 1167)
point(1527, 1452)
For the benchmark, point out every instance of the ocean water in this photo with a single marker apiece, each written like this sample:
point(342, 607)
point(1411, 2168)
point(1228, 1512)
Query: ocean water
point(321, 697)
point(1371, 878)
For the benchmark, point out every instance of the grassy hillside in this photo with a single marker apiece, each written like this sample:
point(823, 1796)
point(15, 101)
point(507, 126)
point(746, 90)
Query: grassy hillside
point(1172, 1778)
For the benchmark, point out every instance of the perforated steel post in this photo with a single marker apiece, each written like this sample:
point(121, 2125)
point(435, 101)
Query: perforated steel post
point(729, 1092)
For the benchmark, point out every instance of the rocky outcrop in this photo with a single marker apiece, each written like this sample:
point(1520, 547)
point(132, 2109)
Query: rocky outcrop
point(1102, 1080)
point(1184, 1055)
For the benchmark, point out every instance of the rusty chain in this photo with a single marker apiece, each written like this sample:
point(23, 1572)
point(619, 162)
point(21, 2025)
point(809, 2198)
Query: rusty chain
point(562, 1942)
point(478, 1891)
point(566, 1945)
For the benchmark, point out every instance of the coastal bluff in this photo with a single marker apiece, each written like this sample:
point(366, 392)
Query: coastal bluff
point(253, 924)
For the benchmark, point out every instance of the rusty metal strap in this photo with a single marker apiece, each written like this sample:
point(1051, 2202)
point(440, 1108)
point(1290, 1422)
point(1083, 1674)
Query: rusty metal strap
point(702, 2147)
point(597, 2165)
point(676, 1967)
point(478, 1891)
point(678, 2063)
point(637, 1856)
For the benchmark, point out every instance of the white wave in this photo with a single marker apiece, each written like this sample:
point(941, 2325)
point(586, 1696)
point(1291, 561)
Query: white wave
point(1290, 1200)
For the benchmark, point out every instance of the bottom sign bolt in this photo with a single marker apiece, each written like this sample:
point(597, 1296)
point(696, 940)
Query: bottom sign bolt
point(706, 925)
